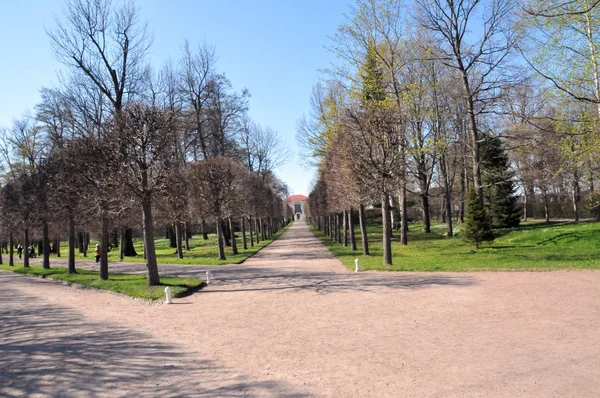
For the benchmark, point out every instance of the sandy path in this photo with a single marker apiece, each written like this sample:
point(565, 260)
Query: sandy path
point(291, 322)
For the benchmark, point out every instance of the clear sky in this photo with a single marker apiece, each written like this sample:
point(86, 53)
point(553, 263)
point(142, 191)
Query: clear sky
point(272, 47)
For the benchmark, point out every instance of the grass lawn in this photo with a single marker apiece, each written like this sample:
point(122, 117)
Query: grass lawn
point(532, 246)
point(133, 285)
point(202, 252)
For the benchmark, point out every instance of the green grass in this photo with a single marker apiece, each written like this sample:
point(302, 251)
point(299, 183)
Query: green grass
point(133, 285)
point(202, 252)
point(533, 246)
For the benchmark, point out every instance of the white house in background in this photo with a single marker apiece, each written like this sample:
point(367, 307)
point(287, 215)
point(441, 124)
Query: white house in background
point(298, 205)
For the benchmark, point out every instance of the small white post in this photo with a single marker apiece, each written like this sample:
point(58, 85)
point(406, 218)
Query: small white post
point(168, 294)
point(356, 269)
point(208, 277)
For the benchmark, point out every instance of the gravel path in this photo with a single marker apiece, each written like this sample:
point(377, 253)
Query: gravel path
point(291, 322)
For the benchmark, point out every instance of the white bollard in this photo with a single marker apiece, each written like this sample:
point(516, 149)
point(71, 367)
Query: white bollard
point(208, 277)
point(168, 294)
point(356, 269)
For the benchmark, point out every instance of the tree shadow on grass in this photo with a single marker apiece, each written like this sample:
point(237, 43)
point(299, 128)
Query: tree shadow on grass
point(51, 350)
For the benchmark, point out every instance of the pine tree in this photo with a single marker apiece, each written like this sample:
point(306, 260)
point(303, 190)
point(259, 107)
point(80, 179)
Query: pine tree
point(499, 187)
point(476, 227)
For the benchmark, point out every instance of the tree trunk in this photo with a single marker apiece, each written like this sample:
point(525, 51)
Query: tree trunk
point(396, 217)
point(45, 244)
point(122, 246)
point(179, 240)
point(387, 230)
point(129, 249)
point(26, 248)
point(172, 236)
point(220, 239)
point(525, 200)
point(352, 235)
point(104, 239)
point(256, 230)
point(149, 249)
point(234, 249)
point(251, 231)
point(546, 212)
point(474, 135)
point(345, 223)
point(426, 213)
point(187, 234)
point(11, 253)
point(71, 256)
point(575, 197)
point(203, 229)
point(263, 235)
point(57, 244)
point(404, 206)
point(363, 229)
point(243, 226)
point(80, 243)
point(463, 194)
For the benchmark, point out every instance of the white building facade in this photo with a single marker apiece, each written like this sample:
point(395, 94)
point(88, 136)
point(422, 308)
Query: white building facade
point(298, 205)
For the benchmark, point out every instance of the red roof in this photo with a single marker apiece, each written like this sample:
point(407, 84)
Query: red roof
point(296, 197)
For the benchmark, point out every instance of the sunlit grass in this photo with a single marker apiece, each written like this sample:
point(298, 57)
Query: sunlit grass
point(133, 285)
point(533, 246)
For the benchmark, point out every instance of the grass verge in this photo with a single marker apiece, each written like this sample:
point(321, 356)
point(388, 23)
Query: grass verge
point(532, 246)
point(202, 252)
point(133, 285)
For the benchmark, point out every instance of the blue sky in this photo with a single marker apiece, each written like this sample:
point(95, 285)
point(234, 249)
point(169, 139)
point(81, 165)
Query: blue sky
point(272, 47)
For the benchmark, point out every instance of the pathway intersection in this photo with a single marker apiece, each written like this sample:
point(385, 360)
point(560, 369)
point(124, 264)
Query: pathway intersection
point(292, 322)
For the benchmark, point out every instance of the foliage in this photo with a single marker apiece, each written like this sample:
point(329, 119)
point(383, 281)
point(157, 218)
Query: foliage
point(499, 187)
point(476, 228)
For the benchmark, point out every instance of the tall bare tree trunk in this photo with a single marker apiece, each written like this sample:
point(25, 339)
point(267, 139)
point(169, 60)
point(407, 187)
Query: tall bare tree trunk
point(234, 249)
point(474, 134)
point(221, 244)
point(71, 255)
point(26, 248)
point(149, 249)
point(179, 239)
point(11, 253)
point(352, 234)
point(363, 229)
point(345, 216)
point(187, 235)
point(57, 245)
point(463, 193)
point(525, 200)
point(203, 229)
point(45, 244)
point(404, 206)
point(256, 229)
point(243, 226)
point(387, 229)
point(575, 195)
point(103, 274)
point(546, 210)
point(251, 232)
point(122, 247)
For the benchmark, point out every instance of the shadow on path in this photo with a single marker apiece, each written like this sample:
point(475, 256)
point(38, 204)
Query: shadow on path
point(51, 350)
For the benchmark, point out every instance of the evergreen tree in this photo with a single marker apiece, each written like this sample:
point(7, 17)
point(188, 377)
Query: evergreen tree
point(476, 227)
point(499, 187)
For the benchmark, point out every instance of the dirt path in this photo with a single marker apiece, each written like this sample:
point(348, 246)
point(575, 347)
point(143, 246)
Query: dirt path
point(291, 322)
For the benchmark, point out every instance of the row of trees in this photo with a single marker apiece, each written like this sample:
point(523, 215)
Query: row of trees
point(438, 98)
point(119, 145)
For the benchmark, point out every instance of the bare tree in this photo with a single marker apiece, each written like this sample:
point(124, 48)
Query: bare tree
point(480, 62)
